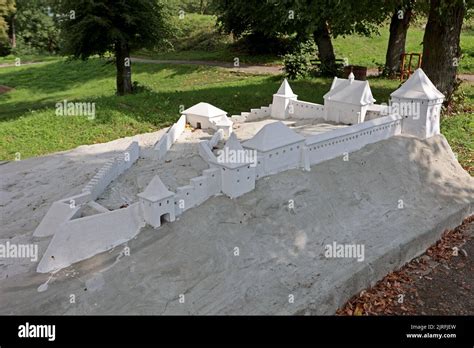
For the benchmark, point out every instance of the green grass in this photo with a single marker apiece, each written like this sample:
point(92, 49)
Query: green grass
point(223, 54)
point(30, 126)
point(459, 130)
point(370, 51)
point(197, 39)
point(11, 59)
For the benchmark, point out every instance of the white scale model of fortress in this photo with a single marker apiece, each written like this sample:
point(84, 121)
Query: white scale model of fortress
point(414, 110)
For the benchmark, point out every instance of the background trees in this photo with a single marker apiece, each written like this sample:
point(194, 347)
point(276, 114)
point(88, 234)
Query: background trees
point(7, 8)
point(402, 13)
point(441, 51)
point(96, 27)
point(319, 20)
point(35, 25)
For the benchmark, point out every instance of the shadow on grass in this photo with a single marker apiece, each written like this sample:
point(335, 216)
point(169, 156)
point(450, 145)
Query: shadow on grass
point(53, 82)
point(42, 86)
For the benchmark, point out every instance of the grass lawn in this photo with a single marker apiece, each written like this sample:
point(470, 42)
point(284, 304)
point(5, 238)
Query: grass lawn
point(370, 51)
point(29, 124)
point(11, 59)
point(196, 38)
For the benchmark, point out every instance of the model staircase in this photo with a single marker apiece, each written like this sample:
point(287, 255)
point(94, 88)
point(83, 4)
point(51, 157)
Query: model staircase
point(252, 115)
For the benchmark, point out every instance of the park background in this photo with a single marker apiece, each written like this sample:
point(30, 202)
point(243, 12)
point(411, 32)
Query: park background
point(37, 71)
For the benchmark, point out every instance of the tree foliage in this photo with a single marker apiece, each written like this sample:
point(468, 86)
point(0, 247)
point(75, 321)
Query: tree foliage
point(94, 26)
point(7, 8)
point(97, 27)
point(35, 25)
point(320, 20)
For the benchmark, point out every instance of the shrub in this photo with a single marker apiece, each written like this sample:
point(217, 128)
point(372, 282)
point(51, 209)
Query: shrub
point(298, 63)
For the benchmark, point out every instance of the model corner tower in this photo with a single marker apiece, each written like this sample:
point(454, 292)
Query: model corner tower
point(281, 101)
point(419, 102)
point(237, 168)
point(157, 203)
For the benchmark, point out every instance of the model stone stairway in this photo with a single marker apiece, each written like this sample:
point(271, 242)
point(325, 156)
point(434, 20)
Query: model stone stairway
point(253, 114)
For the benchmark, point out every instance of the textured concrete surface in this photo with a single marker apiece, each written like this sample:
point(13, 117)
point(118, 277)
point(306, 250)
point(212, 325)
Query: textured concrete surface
point(280, 249)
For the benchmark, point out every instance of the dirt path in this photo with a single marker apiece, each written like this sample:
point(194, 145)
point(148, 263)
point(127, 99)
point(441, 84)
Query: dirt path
point(245, 68)
point(251, 69)
point(7, 65)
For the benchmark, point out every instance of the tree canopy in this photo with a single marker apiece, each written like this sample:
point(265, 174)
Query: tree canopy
point(318, 19)
point(96, 27)
point(7, 7)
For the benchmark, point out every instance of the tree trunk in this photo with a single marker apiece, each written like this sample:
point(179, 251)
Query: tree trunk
point(13, 31)
point(441, 51)
point(124, 69)
point(322, 38)
point(396, 42)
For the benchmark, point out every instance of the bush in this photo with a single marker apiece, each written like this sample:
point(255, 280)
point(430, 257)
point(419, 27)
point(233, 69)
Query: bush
point(194, 32)
point(298, 63)
point(5, 49)
point(24, 49)
point(260, 44)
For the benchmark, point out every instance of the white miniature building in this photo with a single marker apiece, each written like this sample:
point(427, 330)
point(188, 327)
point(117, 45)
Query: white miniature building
point(205, 115)
point(223, 123)
point(419, 102)
point(278, 147)
point(157, 202)
point(237, 168)
point(281, 101)
point(347, 100)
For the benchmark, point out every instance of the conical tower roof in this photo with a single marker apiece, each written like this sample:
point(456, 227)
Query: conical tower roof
point(285, 89)
point(155, 190)
point(418, 86)
point(233, 155)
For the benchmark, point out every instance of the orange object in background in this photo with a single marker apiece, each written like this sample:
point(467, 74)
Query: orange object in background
point(407, 70)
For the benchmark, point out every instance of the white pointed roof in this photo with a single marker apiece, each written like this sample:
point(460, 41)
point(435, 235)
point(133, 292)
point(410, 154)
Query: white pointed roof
point(205, 110)
point(350, 91)
point(273, 136)
point(418, 86)
point(155, 190)
point(237, 155)
point(233, 143)
point(285, 89)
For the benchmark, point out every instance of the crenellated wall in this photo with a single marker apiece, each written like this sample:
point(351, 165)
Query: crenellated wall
point(258, 114)
point(200, 189)
point(111, 170)
point(67, 208)
point(253, 114)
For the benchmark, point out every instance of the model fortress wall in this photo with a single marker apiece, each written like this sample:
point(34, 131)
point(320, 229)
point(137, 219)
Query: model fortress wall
point(233, 171)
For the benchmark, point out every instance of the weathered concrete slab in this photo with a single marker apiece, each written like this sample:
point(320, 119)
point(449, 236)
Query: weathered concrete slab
point(281, 251)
